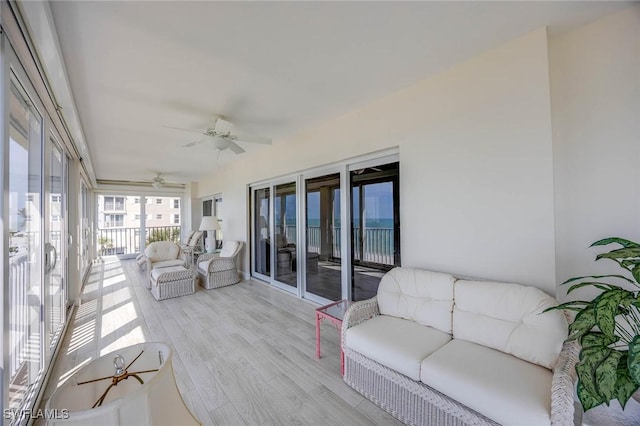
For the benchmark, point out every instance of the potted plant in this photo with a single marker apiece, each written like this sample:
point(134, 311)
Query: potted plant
point(608, 329)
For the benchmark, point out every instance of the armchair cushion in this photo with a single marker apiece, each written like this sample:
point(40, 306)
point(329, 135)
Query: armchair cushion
point(162, 250)
point(500, 386)
point(229, 249)
point(168, 263)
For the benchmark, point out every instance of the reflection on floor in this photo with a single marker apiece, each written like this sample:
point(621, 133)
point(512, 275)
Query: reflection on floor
point(326, 281)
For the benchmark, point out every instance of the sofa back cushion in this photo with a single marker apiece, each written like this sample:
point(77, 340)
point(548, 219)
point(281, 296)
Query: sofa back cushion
point(162, 250)
point(418, 295)
point(509, 318)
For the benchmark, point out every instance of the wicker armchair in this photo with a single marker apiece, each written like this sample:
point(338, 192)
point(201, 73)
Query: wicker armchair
point(161, 254)
point(193, 245)
point(220, 269)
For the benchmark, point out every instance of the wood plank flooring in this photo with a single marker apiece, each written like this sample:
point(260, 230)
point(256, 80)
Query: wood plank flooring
point(243, 354)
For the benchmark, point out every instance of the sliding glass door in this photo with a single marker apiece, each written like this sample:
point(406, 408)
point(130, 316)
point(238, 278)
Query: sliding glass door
point(323, 248)
point(285, 234)
point(56, 244)
point(328, 234)
point(26, 264)
point(375, 227)
point(261, 237)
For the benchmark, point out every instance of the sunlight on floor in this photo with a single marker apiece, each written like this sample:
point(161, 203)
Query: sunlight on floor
point(83, 334)
point(131, 338)
point(66, 375)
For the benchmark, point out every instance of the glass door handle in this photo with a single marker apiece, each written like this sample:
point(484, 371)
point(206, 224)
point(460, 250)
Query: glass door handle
point(49, 264)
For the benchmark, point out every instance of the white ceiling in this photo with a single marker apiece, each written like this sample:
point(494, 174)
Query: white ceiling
point(274, 69)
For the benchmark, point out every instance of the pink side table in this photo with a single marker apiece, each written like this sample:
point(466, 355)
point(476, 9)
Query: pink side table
point(333, 312)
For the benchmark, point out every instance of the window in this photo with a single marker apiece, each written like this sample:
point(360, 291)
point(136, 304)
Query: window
point(158, 216)
point(55, 198)
point(176, 218)
point(55, 218)
point(113, 220)
point(176, 203)
point(158, 200)
point(114, 203)
point(137, 217)
point(136, 200)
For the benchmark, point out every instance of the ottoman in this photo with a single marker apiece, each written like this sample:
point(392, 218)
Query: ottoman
point(172, 281)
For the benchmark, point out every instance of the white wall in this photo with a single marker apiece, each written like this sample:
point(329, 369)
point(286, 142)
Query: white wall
point(595, 81)
point(475, 161)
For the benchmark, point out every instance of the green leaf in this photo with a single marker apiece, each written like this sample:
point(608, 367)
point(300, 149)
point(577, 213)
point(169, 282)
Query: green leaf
point(596, 338)
point(633, 362)
point(636, 273)
point(584, 322)
point(579, 305)
point(621, 241)
point(606, 376)
point(625, 386)
point(623, 253)
point(601, 286)
point(606, 308)
point(588, 399)
point(590, 359)
point(622, 277)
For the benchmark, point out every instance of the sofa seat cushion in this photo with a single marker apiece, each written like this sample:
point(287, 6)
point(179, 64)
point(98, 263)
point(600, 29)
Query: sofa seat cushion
point(500, 386)
point(167, 263)
point(396, 343)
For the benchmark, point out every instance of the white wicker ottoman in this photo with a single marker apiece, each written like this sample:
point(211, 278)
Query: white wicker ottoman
point(172, 281)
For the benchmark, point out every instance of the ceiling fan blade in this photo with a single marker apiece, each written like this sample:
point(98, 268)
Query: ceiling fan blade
point(183, 129)
point(194, 143)
point(251, 139)
point(235, 147)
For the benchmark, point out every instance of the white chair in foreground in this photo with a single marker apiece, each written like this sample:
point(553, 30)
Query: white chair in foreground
point(220, 269)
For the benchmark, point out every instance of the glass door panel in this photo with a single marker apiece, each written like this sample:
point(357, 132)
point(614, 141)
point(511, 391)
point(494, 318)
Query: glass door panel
point(162, 222)
point(323, 254)
point(284, 211)
point(55, 247)
point(262, 245)
point(25, 247)
point(375, 227)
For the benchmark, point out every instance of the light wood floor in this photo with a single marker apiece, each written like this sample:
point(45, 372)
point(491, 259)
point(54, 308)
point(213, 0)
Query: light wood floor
point(244, 354)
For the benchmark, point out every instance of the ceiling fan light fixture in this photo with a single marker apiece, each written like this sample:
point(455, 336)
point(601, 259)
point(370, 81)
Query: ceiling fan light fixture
point(156, 184)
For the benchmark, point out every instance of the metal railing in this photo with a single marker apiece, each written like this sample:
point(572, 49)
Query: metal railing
point(123, 241)
point(19, 311)
point(377, 245)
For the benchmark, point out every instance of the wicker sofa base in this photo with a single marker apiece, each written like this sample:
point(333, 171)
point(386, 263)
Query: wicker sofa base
point(411, 402)
point(174, 284)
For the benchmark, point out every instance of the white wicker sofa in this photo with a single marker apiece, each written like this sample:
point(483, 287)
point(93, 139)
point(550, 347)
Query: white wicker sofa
point(431, 349)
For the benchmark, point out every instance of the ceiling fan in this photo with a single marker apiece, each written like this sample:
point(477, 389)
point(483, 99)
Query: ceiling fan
point(221, 137)
point(158, 182)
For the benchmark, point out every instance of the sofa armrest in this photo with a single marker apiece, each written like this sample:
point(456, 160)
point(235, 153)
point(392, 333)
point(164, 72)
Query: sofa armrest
point(358, 313)
point(563, 385)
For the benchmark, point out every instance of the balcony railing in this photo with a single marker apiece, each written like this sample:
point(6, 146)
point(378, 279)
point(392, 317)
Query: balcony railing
point(378, 243)
point(124, 241)
point(19, 312)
